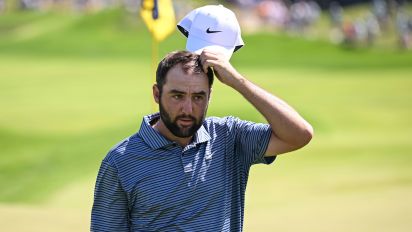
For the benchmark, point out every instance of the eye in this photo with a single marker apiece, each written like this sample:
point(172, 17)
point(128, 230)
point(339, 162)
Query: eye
point(177, 96)
point(198, 98)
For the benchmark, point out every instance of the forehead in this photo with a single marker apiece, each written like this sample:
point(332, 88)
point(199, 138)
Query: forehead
point(177, 79)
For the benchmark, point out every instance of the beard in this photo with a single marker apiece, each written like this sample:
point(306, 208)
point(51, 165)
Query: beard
point(171, 124)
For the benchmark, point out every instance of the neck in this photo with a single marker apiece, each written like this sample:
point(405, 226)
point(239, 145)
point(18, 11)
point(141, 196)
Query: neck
point(163, 130)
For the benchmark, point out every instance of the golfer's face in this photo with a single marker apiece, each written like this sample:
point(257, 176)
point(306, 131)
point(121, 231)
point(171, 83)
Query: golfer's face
point(184, 101)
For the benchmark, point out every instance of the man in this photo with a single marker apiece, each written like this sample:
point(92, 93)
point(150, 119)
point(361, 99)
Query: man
point(182, 172)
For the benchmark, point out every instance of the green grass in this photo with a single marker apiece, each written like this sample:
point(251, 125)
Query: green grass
point(72, 86)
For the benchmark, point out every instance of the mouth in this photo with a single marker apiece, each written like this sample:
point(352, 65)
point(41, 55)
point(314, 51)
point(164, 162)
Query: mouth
point(185, 122)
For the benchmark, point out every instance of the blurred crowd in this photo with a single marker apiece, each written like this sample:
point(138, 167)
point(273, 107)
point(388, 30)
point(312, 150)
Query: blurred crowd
point(298, 17)
point(382, 17)
point(279, 15)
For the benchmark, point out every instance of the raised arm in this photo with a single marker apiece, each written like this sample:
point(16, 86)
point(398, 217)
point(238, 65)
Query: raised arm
point(289, 130)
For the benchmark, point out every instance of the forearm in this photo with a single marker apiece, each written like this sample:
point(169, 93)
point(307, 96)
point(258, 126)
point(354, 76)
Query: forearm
point(285, 122)
point(289, 130)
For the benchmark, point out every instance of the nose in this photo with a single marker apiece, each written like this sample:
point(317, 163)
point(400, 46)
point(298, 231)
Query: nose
point(187, 107)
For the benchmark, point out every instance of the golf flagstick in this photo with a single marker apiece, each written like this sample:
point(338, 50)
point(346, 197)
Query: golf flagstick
point(155, 51)
point(159, 17)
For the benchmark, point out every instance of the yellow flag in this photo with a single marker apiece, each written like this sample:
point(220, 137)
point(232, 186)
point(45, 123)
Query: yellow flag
point(159, 17)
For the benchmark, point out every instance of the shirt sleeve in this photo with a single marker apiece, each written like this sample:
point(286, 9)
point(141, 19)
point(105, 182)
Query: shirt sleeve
point(110, 209)
point(252, 140)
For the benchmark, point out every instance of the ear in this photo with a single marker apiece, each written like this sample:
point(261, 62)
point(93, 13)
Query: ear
point(156, 93)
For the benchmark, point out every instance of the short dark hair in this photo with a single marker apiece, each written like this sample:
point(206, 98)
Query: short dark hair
point(189, 61)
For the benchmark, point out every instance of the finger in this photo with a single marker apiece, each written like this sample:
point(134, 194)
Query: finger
point(212, 63)
point(209, 54)
point(215, 65)
point(207, 64)
point(214, 54)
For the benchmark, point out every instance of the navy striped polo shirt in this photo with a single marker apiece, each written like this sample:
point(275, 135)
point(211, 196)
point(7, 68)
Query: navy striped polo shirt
point(149, 183)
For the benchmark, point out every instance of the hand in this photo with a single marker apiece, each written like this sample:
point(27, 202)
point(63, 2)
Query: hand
point(221, 66)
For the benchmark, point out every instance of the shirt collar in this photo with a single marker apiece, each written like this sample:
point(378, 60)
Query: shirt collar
point(155, 140)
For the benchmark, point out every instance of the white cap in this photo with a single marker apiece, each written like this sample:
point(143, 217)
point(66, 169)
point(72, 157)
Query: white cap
point(212, 26)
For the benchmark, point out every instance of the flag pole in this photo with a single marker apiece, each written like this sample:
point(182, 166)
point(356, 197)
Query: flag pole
point(159, 17)
point(155, 51)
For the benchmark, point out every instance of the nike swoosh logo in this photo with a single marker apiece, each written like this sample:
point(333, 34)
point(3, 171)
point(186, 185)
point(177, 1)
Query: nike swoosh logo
point(209, 31)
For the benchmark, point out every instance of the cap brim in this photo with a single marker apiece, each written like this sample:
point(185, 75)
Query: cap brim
point(197, 45)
